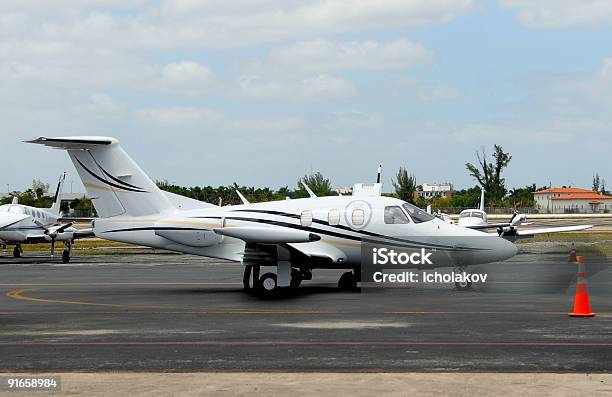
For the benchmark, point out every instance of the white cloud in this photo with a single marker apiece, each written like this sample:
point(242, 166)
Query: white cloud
point(322, 55)
point(267, 125)
point(302, 71)
point(189, 78)
point(605, 71)
point(100, 105)
point(318, 87)
point(188, 117)
point(486, 134)
point(561, 13)
point(201, 24)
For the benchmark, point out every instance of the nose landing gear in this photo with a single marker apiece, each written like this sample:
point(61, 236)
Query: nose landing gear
point(464, 285)
point(348, 281)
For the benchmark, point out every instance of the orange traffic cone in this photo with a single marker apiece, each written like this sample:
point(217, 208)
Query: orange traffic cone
point(572, 254)
point(582, 307)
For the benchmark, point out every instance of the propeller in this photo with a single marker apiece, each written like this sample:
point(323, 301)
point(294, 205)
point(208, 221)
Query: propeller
point(510, 230)
point(53, 233)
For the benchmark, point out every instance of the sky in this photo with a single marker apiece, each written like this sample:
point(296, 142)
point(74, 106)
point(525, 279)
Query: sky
point(262, 92)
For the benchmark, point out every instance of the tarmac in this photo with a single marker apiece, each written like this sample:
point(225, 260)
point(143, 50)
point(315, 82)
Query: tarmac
point(171, 312)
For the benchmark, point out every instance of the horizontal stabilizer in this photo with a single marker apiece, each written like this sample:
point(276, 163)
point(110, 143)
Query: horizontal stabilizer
point(267, 235)
point(74, 142)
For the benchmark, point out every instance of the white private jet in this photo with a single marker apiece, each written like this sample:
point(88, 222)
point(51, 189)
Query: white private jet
point(477, 219)
point(23, 224)
point(293, 236)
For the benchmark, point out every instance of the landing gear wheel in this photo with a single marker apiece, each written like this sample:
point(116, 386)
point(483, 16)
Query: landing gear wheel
point(347, 281)
point(463, 286)
point(267, 284)
point(296, 278)
point(65, 256)
point(16, 252)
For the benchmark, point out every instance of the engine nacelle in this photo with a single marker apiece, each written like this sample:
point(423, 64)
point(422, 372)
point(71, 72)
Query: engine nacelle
point(186, 236)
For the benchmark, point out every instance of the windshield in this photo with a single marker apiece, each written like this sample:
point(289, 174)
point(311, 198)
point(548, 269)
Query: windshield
point(417, 214)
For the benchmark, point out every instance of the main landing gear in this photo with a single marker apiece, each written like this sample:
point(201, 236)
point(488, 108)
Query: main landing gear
point(17, 251)
point(268, 284)
point(67, 253)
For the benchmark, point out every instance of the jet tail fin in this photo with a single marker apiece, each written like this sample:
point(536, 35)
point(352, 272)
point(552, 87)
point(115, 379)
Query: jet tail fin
point(114, 182)
point(57, 200)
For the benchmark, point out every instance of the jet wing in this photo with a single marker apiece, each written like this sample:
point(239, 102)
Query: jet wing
point(8, 219)
point(558, 229)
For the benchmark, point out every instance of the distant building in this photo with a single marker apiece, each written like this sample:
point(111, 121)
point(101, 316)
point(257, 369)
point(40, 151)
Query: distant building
point(571, 200)
point(431, 190)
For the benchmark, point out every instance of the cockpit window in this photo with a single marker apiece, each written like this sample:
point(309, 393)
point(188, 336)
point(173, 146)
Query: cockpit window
point(477, 215)
point(395, 215)
point(417, 214)
point(464, 215)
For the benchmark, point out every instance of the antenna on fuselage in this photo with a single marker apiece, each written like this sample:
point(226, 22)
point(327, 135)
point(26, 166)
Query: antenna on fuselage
point(15, 200)
point(242, 198)
point(309, 190)
point(379, 173)
point(482, 199)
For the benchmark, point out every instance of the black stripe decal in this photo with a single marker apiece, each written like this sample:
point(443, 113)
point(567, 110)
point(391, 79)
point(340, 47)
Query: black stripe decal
point(367, 233)
point(113, 177)
point(136, 229)
point(105, 181)
point(404, 243)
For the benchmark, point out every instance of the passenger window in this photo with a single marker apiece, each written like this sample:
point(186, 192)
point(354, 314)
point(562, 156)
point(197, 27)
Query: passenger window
point(306, 218)
point(395, 215)
point(358, 217)
point(333, 217)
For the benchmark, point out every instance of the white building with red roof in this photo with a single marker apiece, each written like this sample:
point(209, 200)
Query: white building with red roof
point(564, 200)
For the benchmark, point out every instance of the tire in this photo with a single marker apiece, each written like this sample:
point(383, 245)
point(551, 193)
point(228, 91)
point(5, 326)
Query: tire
point(16, 252)
point(347, 281)
point(463, 286)
point(296, 278)
point(65, 256)
point(267, 285)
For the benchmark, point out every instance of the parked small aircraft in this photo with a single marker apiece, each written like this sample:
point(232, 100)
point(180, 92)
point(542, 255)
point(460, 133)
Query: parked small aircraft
point(23, 224)
point(477, 219)
point(292, 236)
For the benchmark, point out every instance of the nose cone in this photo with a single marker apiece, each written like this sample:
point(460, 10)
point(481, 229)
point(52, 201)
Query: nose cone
point(505, 249)
point(496, 249)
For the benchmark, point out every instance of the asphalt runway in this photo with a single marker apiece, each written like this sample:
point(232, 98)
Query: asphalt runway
point(169, 312)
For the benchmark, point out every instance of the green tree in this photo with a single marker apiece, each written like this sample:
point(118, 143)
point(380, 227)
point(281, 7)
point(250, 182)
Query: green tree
point(466, 198)
point(405, 185)
point(39, 188)
point(596, 182)
point(320, 185)
point(489, 174)
point(522, 197)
